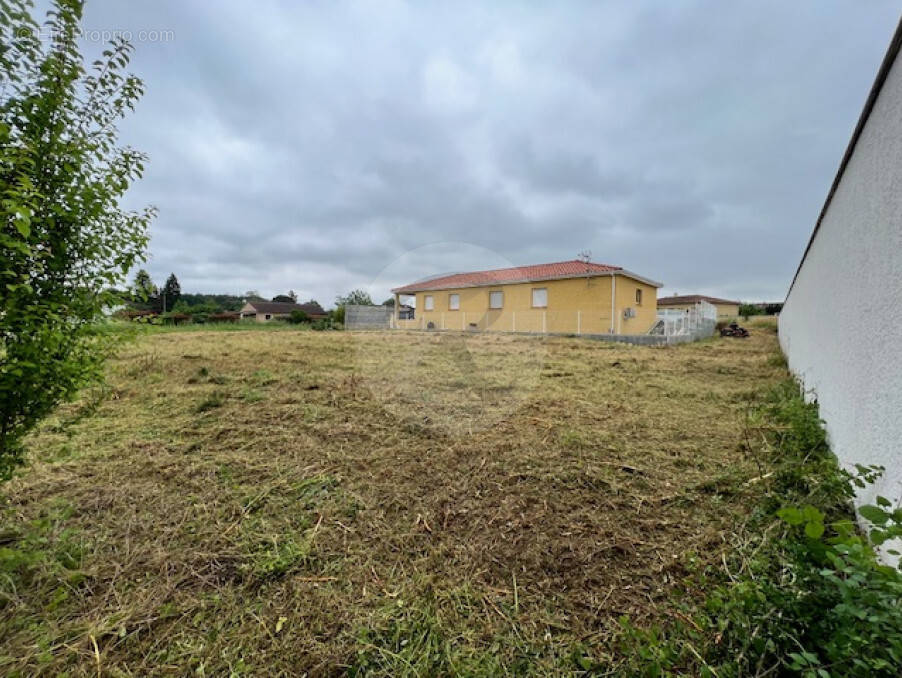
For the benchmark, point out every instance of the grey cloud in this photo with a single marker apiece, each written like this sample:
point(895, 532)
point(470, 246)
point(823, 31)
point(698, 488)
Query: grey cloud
point(307, 146)
point(564, 171)
point(660, 210)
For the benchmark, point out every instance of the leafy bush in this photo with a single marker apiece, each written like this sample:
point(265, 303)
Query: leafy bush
point(298, 317)
point(66, 242)
point(851, 613)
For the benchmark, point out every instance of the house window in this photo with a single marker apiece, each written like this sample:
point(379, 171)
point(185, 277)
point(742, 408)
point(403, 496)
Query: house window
point(496, 299)
point(429, 302)
point(454, 302)
point(638, 297)
point(539, 297)
point(268, 316)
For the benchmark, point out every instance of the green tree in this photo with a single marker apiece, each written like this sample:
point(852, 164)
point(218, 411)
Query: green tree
point(143, 289)
point(354, 297)
point(65, 241)
point(284, 298)
point(172, 292)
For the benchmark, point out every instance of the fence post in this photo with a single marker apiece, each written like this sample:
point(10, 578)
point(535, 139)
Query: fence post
point(579, 322)
point(544, 323)
point(443, 320)
point(513, 321)
point(463, 320)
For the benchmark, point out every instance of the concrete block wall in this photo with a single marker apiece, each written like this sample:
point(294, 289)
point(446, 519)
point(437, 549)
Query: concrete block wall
point(368, 317)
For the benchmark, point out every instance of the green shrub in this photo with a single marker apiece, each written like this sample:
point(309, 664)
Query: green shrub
point(298, 317)
point(322, 324)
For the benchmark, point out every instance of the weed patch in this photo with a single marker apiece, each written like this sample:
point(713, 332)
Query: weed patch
point(211, 402)
point(801, 591)
point(273, 559)
point(42, 557)
point(420, 637)
point(250, 395)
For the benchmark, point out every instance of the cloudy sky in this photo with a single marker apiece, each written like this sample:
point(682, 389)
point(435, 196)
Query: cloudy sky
point(323, 146)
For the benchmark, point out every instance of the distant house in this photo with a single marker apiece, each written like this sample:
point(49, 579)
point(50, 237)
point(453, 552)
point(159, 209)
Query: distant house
point(264, 311)
point(406, 312)
point(725, 307)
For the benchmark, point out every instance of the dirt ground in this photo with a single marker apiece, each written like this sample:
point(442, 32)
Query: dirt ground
point(281, 503)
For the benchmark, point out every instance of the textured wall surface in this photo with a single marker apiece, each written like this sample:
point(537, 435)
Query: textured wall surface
point(367, 317)
point(841, 328)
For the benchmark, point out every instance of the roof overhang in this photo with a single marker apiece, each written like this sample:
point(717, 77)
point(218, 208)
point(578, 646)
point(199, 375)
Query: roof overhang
point(640, 278)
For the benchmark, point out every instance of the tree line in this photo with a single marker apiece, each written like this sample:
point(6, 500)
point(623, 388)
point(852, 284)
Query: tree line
point(145, 295)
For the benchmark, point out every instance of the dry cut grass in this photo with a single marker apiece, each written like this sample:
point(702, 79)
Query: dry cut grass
point(281, 503)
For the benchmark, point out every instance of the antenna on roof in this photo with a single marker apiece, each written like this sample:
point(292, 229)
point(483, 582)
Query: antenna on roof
point(585, 256)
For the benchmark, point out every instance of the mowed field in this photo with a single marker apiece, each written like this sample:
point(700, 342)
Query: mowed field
point(287, 502)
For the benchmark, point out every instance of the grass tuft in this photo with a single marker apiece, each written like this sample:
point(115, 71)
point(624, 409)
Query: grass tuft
point(211, 402)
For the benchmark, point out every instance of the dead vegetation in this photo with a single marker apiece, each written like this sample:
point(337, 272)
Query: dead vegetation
point(275, 503)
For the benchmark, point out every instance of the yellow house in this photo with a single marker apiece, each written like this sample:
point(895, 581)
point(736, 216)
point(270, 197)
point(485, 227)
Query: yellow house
point(567, 297)
point(725, 308)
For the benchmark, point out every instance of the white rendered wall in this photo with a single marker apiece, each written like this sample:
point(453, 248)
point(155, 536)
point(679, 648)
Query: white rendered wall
point(841, 328)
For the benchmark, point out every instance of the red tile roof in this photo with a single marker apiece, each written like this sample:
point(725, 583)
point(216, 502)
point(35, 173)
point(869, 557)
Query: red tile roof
point(692, 299)
point(518, 274)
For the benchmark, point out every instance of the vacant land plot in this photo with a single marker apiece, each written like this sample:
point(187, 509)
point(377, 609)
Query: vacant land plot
point(274, 503)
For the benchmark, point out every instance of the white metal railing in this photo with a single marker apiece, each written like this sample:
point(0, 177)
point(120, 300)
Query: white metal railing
point(699, 320)
point(529, 321)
